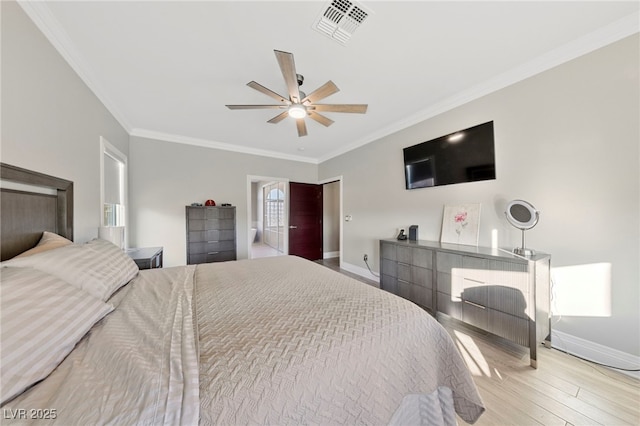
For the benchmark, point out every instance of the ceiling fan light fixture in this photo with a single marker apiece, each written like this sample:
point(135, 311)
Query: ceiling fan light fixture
point(298, 105)
point(297, 111)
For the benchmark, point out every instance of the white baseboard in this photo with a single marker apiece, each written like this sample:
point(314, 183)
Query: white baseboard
point(595, 352)
point(330, 254)
point(363, 272)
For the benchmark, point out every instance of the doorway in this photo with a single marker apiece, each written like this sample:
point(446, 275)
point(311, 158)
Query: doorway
point(315, 225)
point(332, 222)
point(268, 206)
point(331, 218)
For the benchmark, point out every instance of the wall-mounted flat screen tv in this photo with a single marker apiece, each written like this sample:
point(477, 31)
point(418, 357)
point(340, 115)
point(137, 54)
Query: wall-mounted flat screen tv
point(464, 156)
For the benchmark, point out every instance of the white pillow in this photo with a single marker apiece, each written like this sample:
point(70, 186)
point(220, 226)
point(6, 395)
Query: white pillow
point(42, 320)
point(97, 267)
point(48, 241)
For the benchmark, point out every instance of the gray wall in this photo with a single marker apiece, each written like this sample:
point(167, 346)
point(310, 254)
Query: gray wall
point(567, 141)
point(51, 121)
point(164, 177)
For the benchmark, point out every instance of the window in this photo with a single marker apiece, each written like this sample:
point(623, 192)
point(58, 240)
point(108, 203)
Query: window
point(113, 166)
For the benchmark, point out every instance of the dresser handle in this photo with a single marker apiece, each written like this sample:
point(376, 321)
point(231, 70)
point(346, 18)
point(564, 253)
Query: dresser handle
point(475, 304)
point(213, 252)
point(216, 241)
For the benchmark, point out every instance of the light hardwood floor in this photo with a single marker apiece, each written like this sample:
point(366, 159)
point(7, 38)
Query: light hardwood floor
point(564, 390)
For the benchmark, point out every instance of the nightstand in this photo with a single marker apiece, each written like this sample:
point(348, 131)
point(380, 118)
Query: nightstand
point(146, 257)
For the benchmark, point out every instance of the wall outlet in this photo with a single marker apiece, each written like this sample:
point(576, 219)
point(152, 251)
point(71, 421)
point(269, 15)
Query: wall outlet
point(366, 257)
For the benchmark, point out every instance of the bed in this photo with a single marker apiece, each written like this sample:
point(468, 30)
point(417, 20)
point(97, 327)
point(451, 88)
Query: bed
point(266, 341)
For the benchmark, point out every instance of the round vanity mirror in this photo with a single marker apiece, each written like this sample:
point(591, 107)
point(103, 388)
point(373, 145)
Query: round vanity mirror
point(523, 216)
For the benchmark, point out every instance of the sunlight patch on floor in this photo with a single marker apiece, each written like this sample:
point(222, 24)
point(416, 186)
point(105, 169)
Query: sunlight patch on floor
point(472, 355)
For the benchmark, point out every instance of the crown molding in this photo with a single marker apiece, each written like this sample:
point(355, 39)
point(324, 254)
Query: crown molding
point(602, 37)
point(166, 137)
point(39, 13)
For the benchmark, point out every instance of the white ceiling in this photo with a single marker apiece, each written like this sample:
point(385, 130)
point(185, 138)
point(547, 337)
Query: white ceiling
point(167, 69)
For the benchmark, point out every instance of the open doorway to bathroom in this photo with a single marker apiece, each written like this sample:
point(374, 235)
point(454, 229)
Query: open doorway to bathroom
point(272, 239)
point(268, 233)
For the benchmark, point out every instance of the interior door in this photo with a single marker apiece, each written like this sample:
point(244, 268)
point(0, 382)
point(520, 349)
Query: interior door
point(305, 220)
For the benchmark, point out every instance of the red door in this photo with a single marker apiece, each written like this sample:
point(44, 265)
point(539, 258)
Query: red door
point(305, 220)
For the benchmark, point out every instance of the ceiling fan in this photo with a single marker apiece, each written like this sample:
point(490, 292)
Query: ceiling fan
point(299, 105)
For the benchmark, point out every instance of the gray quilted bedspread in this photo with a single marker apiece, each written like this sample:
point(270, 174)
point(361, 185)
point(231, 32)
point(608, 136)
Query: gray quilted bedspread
point(287, 341)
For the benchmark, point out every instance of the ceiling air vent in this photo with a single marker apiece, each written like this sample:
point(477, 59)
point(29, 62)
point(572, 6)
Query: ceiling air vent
point(340, 18)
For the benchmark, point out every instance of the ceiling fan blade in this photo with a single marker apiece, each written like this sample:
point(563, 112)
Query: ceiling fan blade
point(354, 108)
point(325, 121)
point(256, 106)
point(278, 118)
point(327, 89)
point(260, 88)
point(302, 127)
point(288, 68)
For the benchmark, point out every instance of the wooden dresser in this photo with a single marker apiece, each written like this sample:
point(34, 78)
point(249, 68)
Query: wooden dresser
point(211, 234)
point(491, 289)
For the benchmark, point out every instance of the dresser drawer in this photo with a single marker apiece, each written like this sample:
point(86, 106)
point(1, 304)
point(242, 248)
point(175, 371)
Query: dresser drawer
point(211, 224)
point(219, 256)
point(211, 246)
point(422, 296)
point(220, 224)
point(422, 277)
point(404, 272)
point(210, 213)
point(404, 254)
point(450, 284)
point(389, 283)
point(510, 327)
point(509, 300)
point(475, 314)
point(422, 258)
point(389, 267)
point(212, 235)
point(475, 292)
point(388, 251)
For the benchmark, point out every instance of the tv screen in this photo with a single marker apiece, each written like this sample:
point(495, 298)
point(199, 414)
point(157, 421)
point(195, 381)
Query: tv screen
point(464, 156)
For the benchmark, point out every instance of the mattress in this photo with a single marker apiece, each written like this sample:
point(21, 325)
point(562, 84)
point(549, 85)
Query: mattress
point(266, 341)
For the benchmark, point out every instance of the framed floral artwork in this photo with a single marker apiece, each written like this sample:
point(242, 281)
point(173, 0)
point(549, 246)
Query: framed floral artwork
point(461, 224)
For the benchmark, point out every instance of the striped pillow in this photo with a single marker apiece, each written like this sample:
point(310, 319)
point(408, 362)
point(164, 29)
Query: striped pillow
point(42, 320)
point(97, 267)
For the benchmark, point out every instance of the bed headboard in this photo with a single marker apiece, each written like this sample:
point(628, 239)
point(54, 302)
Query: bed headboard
point(40, 203)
